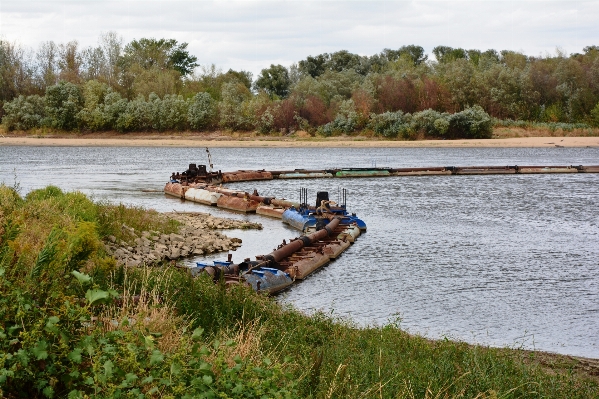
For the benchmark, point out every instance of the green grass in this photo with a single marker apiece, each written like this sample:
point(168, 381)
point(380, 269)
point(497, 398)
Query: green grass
point(74, 324)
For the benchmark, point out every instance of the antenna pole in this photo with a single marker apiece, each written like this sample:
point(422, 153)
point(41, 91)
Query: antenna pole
point(209, 159)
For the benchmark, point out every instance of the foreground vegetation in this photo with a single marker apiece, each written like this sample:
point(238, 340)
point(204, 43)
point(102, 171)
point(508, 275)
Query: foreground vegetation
point(75, 324)
point(151, 84)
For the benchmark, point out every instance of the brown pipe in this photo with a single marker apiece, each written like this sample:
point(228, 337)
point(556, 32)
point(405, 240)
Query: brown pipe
point(294, 246)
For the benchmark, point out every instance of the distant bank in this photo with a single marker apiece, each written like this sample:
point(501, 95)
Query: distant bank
point(212, 140)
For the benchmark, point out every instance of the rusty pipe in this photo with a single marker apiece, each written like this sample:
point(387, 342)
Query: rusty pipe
point(294, 246)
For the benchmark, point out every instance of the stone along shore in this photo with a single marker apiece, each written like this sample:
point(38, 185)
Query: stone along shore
point(197, 236)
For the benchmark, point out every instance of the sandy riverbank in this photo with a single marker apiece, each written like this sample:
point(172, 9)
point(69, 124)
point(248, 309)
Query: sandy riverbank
point(154, 140)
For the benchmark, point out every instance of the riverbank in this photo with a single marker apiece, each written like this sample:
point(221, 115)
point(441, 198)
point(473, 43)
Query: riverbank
point(158, 329)
point(299, 140)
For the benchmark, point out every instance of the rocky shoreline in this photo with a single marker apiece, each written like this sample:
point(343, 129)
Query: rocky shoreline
point(197, 236)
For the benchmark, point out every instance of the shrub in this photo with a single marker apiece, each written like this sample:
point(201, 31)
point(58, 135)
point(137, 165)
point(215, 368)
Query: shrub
point(471, 123)
point(431, 122)
point(23, 113)
point(138, 115)
point(392, 125)
point(102, 107)
point(201, 111)
point(235, 108)
point(63, 103)
point(170, 112)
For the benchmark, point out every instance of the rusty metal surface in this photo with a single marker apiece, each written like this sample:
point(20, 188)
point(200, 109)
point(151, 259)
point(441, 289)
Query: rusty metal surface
point(335, 248)
point(307, 264)
point(237, 204)
point(269, 210)
point(546, 169)
point(175, 189)
point(246, 175)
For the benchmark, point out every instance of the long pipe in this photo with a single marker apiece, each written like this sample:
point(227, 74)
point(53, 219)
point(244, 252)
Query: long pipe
point(273, 258)
point(294, 246)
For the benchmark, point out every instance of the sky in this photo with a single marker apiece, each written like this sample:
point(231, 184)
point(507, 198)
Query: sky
point(251, 35)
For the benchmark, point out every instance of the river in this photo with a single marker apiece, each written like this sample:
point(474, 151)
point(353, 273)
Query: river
point(508, 260)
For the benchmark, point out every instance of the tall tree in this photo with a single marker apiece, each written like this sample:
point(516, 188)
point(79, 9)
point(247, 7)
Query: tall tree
point(416, 53)
point(274, 80)
point(46, 62)
point(162, 53)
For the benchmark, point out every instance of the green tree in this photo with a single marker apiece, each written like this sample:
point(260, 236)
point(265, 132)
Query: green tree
point(314, 66)
point(415, 53)
point(202, 109)
point(23, 113)
point(446, 54)
point(162, 53)
point(63, 103)
point(274, 80)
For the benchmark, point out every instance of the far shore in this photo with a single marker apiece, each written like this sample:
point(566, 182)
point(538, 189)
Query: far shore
point(252, 141)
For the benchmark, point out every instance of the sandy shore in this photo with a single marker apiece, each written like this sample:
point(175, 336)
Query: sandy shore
point(201, 141)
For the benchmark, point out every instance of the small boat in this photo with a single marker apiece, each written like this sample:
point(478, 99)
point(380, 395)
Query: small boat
point(260, 278)
point(267, 279)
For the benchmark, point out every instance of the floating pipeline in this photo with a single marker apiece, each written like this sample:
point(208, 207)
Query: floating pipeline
point(198, 174)
point(228, 199)
point(290, 262)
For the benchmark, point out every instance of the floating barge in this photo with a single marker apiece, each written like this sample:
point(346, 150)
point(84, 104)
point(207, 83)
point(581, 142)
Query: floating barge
point(291, 261)
point(327, 227)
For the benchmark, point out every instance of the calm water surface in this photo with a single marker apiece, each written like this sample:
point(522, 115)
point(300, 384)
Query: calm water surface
point(500, 260)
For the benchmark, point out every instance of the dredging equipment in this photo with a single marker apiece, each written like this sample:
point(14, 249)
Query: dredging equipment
point(291, 261)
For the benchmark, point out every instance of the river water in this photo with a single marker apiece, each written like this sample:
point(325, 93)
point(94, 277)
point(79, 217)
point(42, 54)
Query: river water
point(496, 260)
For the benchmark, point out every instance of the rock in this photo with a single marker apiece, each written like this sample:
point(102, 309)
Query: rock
point(176, 238)
point(112, 238)
point(175, 253)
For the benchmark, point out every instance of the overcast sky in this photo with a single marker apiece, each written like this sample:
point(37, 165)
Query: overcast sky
point(251, 35)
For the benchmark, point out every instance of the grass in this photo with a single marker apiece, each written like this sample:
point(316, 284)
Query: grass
point(81, 326)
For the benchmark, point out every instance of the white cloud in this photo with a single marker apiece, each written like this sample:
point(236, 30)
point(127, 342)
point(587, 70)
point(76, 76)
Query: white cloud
point(251, 35)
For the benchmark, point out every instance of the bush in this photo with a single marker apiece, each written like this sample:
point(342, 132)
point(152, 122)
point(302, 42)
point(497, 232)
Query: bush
point(138, 115)
point(102, 107)
point(471, 123)
point(431, 122)
point(23, 113)
point(392, 125)
point(170, 112)
point(201, 111)
point(63, 103)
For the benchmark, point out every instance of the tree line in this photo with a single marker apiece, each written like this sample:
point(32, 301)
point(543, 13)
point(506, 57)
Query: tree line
point(156, 84)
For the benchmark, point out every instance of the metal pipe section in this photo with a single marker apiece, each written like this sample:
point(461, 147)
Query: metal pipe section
point(303, 241)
